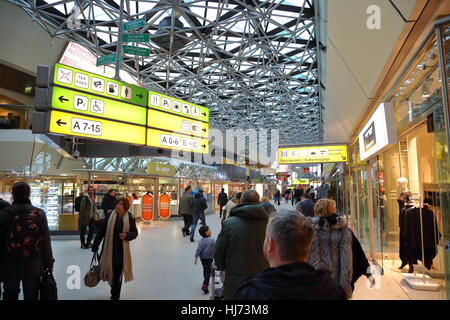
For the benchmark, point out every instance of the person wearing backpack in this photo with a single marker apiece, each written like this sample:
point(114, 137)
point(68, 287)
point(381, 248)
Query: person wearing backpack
point(78, 201)
point(28, 250)
point(86, 218)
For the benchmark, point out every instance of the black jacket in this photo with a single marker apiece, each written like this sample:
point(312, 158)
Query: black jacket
point(295, 281)
point(117, 242)
point(222, 199)
point(36, 265)
point(199, 204)
point(4, 222)
point(108, 203)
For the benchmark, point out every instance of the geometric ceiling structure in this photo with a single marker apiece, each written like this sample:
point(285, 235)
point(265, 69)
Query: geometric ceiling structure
point(253, 63)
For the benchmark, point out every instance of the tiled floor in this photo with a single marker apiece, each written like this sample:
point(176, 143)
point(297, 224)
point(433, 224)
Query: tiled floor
point(163, 269)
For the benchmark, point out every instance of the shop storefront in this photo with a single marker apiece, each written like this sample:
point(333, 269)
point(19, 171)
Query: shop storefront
point(399, 168)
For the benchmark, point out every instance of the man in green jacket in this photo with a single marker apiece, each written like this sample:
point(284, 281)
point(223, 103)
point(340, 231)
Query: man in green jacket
point(86, 219)
point(239, 246)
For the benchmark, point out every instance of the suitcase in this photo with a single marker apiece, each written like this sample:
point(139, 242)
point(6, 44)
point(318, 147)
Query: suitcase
point(216, 291)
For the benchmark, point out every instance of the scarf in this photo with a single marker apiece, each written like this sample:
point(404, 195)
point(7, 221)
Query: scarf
point(106, 263)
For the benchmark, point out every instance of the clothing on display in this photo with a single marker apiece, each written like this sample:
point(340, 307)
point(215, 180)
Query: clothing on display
point(415, 221)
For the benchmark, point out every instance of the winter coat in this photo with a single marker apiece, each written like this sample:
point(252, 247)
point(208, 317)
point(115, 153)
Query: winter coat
point(85, 211)
point(117, 242)
point(185, 207)
point(108, 203)
point(4, 226)
point(239, 245)
point(360, 263)
point(331, 250)
point(222, 199)
point(306, 207)
point(35, 266)
point(199, 204)
point(295, 281)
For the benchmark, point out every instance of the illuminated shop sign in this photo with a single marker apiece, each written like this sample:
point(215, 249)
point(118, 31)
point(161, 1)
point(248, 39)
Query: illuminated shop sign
point(378, 132)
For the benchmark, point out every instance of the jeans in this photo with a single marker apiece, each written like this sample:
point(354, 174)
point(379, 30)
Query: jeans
point(206, 270)
point(30, 288)
point(195, 218)
point(91, 227)
point(117, 281)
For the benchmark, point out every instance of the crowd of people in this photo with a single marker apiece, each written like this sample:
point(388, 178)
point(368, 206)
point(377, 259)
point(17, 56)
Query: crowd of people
point(262, 253)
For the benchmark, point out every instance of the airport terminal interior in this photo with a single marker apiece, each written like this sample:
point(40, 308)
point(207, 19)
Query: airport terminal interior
point(346, 100)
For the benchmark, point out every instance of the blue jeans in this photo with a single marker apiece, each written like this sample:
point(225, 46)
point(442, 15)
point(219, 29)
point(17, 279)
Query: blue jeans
point(195, 218)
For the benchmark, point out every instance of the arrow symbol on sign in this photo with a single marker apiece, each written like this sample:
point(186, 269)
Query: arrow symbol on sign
point(140, 96)
point(204, 114)
point(61, 98)
point(204, 129)
point(204, 146)
point(59, 122)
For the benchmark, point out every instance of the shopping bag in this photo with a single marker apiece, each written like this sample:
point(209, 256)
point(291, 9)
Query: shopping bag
point(92, 277)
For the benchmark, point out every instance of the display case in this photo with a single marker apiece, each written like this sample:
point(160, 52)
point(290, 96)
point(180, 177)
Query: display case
point(47, 196)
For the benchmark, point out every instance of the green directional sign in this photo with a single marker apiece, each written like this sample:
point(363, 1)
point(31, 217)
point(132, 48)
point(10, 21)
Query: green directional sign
point(136, 51)
point(110, 58)
point(90, 105)
point(135, 37)
point(94, 84)
point(132, 25)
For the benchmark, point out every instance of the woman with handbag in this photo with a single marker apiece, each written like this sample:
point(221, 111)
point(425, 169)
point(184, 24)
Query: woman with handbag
point(117, 230)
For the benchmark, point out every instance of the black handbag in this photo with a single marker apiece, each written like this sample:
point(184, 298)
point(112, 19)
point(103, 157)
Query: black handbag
point(47, 287)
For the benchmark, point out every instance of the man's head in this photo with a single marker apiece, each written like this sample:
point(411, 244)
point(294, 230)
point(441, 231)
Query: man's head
point(223, 189)
point(90, 190)
point(250, 197)
point(188, 189)
point(112, 192)
point(288, 238)
point(21, 191)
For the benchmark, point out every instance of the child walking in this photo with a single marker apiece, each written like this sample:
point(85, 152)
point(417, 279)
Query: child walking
point(205, 251)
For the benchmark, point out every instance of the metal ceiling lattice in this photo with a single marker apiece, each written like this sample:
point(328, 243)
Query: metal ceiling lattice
point(253, 63)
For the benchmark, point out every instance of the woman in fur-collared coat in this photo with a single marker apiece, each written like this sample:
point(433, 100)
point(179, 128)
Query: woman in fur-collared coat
point(331, 247)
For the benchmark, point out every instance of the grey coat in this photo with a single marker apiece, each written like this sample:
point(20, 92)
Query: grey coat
point(331, 250)
point(185, 207)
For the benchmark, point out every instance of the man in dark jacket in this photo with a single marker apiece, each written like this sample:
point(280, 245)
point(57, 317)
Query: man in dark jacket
point(26, 270)
point(239, 246)
point(185, 210)
point(298, 194)
point(4, 220)
point(199, 206)
point(222, 200)
point(306, 206)
point(290, 277)
point(109, 201)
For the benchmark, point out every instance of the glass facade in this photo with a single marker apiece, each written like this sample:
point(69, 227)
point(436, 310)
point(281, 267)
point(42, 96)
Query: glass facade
point(419, 157)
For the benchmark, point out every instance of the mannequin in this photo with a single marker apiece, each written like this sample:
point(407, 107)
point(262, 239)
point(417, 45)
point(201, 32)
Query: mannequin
point(404, 202)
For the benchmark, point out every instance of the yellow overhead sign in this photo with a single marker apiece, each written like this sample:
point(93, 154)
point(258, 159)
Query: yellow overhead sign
point(300, 181)
point(313, 154)
point(162, 120)
point(177, 106)
point(168, 140)
point(82, 126)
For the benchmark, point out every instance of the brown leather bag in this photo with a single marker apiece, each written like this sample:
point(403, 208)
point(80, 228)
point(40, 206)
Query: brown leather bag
point(92, 277)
